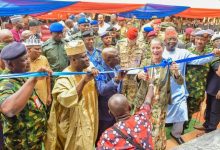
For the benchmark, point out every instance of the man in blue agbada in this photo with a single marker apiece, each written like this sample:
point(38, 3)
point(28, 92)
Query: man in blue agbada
point(108, 85)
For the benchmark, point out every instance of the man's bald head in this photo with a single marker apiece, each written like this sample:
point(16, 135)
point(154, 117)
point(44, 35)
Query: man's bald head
point(118, 105)
point(110, 56)
point(6, 36)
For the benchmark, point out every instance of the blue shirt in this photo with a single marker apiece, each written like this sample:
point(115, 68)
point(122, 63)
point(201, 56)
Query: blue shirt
point(106, 88)
point(95, 57)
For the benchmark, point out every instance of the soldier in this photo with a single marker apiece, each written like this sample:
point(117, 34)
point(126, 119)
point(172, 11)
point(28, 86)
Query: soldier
point(95, 55)
point(22, 111)
point(84, 25)
point(112, 30)
point(196, 76)
point(106, 40)
point(131, 54)
point(95, 29)
point(53, 48)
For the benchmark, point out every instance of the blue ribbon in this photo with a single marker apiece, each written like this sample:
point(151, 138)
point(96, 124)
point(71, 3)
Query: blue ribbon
point(164, 63)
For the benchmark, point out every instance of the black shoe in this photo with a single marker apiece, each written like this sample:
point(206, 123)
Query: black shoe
point(178, 140)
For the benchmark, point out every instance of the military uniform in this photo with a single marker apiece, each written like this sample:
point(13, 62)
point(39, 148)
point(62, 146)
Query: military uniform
point(196, 76)
point(159, 102)
point(27, 129)
point(55, 53)
point(130, 57)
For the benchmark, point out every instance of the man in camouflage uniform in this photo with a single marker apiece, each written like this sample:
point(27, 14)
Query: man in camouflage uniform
point(196, 76)
point(131, 55)
point(22, 112)
point(53, 48)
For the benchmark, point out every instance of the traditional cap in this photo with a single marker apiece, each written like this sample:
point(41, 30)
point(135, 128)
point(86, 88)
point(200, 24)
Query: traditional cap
point(121, 19)
point(210, 31)
point(83, 20)
point(56, 27)
point(88, 33)
point(148, 29)
point(16, 18)
point(201, 33)
point(72, 17)
point(189, 30)
point(33, 42)
point(94, 22)
point(215, 37)
point(111, 28)
point(13, 51)
point(33, 23)
point(152, 33)
point(132, 33)
point(104, 34)
point(75, 47)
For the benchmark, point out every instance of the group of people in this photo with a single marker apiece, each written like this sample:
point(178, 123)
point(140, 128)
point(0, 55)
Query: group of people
point(105, 105)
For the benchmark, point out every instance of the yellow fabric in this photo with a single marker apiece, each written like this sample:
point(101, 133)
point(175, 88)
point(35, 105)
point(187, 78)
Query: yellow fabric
point(73, 122)
point(41, 86)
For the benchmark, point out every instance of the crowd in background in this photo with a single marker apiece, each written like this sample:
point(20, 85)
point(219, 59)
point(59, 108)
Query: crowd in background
point(118, 109)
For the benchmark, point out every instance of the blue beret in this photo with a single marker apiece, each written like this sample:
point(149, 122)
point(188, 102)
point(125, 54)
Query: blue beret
point(94, 22)
point(83, 20)
point(56, 27)
point(148, 29)
point(13, 51)
point(72, 17)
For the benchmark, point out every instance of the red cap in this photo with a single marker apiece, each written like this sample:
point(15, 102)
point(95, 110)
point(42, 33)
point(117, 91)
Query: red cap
point(132, 33)
point(189, 30)
point(157, 21)
point(121, 19)
point(152, 33)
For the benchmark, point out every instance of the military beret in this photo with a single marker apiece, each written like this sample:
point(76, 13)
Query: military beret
point(148, 29)
point(152, 33)
point(111, 28)
point(215, 37)
point(13, 51)
point(56, 27)
point(83, 20)
point(104, 34)
point(72, 17)
point(88, 33)
point(94, 22)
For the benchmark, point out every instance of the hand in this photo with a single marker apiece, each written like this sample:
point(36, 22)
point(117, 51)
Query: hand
point(143, 76)
point(174, 68)
point(121, 74)
point(88, 77)
point(216, 52)
point(43, 69)
point(218, 95)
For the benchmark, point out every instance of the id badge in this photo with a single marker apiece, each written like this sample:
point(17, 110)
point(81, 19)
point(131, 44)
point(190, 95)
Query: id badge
point(37, 102)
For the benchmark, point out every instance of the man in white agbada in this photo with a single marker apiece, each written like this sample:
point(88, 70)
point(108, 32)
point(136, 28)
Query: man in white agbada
point(177, 110)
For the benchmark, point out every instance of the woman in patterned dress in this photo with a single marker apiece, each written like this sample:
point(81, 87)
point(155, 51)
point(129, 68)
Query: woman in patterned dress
point(162, 97)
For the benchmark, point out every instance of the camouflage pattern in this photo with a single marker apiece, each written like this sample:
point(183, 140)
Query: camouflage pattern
point(76, 36)
point(55, 54)
point(159, 103)
point(196, 82)
point(26, 130)
point(130, 57)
